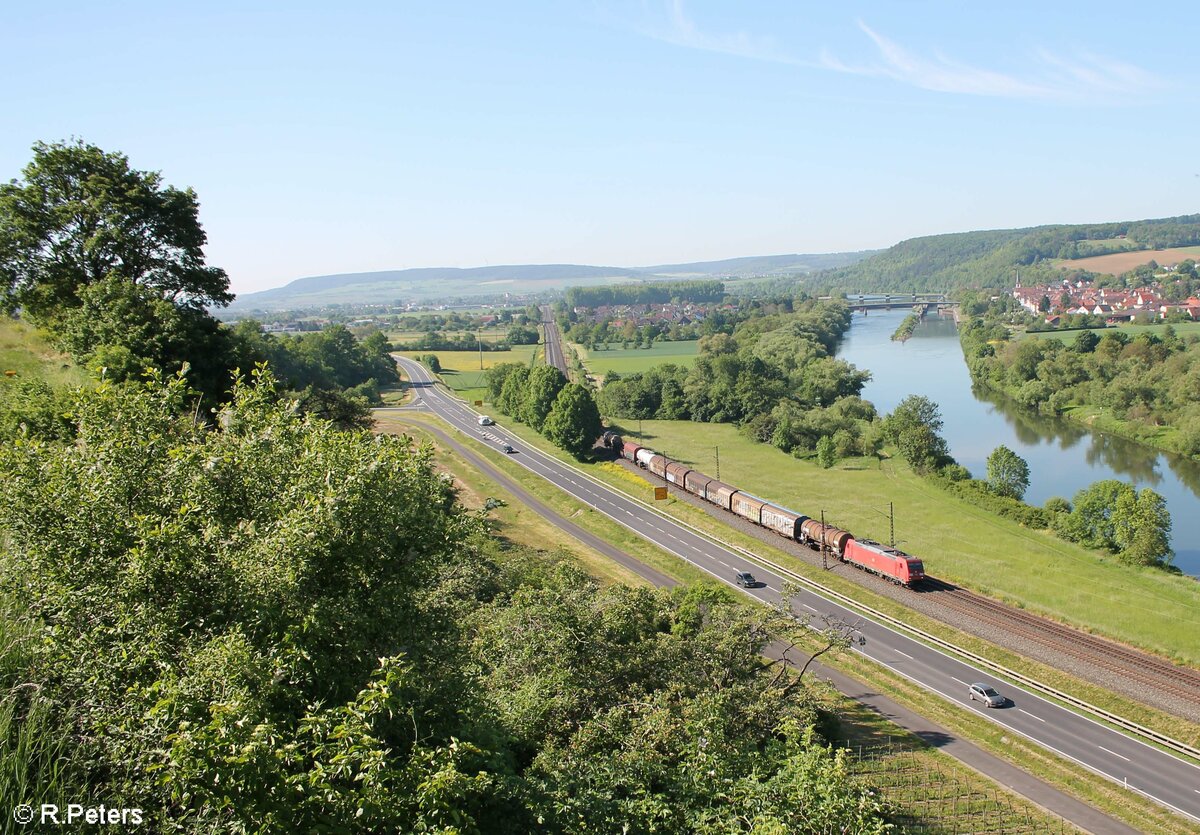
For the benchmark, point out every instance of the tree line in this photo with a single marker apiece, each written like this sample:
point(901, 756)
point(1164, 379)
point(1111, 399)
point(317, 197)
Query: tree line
point(701, 291)
point(542, 398)
point(773, 375)
point(1146, 382)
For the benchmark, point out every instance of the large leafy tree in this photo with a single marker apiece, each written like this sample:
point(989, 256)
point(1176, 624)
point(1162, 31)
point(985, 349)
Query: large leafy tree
point(82, 215)
point(543, 386)
point(1142, 528)
point(574, 422)
point(1007, 473)
point(914, 427)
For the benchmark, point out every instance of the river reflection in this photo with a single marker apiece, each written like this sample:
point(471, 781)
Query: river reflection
point(1063, 457)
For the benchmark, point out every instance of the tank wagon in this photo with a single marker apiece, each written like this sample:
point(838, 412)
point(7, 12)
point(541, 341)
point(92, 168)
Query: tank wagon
point(888, 562)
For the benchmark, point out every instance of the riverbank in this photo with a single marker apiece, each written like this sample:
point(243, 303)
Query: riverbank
point(1101, 419)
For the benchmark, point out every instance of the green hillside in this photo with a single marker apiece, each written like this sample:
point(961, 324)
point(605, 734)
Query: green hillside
point(27, 353)
point(990, 258)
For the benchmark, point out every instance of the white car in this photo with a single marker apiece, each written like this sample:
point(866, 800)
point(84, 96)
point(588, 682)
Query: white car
point(484, 420)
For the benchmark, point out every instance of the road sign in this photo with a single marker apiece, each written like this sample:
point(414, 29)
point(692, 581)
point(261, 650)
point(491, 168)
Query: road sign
point(660, 493)
point(478, 402)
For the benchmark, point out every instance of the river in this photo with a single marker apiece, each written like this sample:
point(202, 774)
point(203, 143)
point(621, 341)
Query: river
point(1063, 457)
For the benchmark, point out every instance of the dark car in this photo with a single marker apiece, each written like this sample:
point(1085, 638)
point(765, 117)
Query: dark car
point(508, 448)
point(746, 580)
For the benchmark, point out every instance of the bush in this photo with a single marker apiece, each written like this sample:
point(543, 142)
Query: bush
point(977, 493)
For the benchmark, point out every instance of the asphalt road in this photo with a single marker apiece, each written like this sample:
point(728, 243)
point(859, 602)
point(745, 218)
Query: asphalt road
point(1160, 776)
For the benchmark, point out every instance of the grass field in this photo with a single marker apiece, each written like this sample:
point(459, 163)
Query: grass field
point(1120, 262)
point(25, 351)
point(632, 360)
point(957, 542)
point(461, 371)
point(1068, 337)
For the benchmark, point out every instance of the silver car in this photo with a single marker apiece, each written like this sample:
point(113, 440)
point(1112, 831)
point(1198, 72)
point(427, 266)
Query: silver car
point(987, 695)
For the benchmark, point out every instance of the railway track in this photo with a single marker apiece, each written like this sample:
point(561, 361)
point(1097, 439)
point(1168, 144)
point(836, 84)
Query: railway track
point(1104, 654)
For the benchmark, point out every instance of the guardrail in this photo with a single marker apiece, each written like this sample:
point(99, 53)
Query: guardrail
point(1019, 678)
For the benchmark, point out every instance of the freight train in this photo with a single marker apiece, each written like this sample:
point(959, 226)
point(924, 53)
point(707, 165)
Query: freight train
point(886, 561)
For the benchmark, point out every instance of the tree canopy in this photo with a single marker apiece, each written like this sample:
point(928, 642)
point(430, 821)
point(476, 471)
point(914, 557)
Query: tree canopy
point(82, 215)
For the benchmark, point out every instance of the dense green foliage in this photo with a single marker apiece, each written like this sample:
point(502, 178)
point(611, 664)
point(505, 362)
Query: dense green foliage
point(914, 427)
point(267, 624)
point(988, 259)
point(573, 421)
point(1007, 473)
point(774, 375)
point(906, 328)
point(1113, 515)
point(657, 292)
point(541, 397)
point(1147, 381)
point(110, 262)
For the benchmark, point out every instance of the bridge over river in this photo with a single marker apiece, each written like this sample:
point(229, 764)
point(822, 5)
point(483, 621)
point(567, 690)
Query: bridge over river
point(896, 301)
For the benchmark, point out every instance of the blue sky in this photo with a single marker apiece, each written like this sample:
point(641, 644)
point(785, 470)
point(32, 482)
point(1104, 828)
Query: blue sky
point(392, 135)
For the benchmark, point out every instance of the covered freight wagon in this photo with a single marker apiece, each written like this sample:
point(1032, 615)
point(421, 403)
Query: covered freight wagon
point(885, 561)
point(629, 451)
point(748, 507)
point(813, 532)
point(719, 493)
point(781, 520)
point(695, 482)
point(676, 472)
point(657, 465)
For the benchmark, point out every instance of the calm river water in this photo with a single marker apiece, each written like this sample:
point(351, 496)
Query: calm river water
point(1063, 457)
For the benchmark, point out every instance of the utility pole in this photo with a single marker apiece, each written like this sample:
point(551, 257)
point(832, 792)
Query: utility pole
point(718, 451)
point(824, 553)
point(892, 523)
point(480, 341)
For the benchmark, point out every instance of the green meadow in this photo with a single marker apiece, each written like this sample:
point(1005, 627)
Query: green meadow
point(956, 541)
point(632, 360)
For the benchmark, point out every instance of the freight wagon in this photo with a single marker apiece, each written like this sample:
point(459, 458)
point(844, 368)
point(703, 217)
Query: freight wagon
point(866, 554)
point(892, 563)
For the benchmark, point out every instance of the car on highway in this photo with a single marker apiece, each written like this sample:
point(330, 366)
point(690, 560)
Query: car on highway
point(484, 420)
point(986, 694)
point(745, 579)
point(508, 449)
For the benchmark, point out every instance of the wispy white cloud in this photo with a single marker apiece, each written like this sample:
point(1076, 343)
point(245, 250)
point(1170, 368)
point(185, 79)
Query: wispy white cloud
point(681, 30)
point(1048, 75)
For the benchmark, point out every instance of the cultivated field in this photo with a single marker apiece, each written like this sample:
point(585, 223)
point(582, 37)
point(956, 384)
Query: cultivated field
point(957, 542)
point(632, 360)
point(1121, 262)
point(461, 369)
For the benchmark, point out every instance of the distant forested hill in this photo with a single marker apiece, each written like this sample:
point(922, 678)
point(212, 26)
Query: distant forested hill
point(978, 259)
point(449, 284)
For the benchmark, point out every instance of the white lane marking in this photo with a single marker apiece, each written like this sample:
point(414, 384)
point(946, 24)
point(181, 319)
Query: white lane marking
point(905, 654)
point(806, 606)
point(1114, 753)
point(959, 680)
point(1027, 713)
